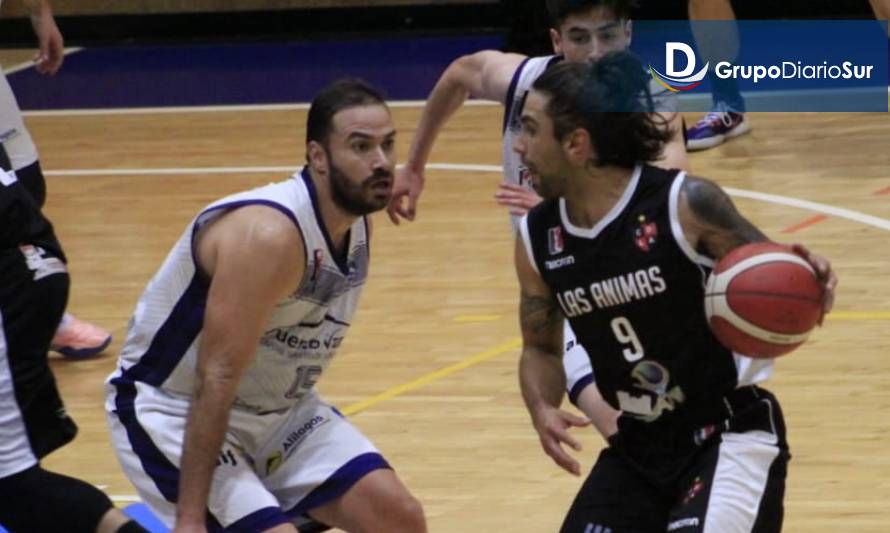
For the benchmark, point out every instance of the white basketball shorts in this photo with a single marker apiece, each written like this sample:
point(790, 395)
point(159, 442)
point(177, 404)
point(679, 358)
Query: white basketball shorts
point(272, 468)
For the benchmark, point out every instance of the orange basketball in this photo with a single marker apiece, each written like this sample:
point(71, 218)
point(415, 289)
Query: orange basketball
point(763, 300)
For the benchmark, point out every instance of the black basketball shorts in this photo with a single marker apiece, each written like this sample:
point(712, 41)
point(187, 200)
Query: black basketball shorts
point(33, 294)
point(736, 483)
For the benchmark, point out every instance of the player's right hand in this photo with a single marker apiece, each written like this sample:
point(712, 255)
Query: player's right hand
point(52, 48)
point(518, 199)
point(406, 190)
point(553, 426)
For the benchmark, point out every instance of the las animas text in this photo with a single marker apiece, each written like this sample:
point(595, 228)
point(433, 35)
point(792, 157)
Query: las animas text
point(614, 291)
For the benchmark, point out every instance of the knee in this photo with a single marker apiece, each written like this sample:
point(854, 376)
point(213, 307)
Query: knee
point(406, 515)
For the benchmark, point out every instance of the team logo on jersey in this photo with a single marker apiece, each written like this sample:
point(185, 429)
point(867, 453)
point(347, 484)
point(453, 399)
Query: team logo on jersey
point(555, 242)
point(317, 257)
point(515, 122)
point(693, 491)
point(523, 175)
point(41, 264)
point(227, 457)
point(702, 435)
point(273, 462)
point(645, 234)
point(652, 394)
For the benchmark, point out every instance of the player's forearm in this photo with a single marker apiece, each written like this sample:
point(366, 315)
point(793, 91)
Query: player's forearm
point(445, 99)
point(39, 8)
point(541, 379)
point(205, 431)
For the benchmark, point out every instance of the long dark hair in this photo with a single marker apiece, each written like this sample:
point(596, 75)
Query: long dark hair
point(611, 100)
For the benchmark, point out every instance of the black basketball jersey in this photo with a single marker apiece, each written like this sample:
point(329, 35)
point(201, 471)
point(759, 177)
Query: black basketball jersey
point(632, 288)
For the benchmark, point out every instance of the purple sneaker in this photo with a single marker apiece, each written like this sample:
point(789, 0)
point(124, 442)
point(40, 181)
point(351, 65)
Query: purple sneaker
point(715, 128)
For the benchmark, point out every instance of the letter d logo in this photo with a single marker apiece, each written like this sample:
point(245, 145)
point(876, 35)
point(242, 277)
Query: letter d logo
point(676, 80)
point(670, 50)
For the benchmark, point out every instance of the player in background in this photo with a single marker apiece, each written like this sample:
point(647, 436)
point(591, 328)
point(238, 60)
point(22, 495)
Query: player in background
point(75, 337)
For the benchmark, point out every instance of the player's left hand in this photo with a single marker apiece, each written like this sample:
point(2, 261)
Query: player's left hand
point(518, 199)
point(825, 274)
point(52, 47)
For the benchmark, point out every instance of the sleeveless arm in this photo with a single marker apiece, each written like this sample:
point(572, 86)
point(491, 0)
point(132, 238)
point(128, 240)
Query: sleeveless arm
point(487, 75)
point(254, 256)
point(541, 375)
point(712, 224)
point(710, 221)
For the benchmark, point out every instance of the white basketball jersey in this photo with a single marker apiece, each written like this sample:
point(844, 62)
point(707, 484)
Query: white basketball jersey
point(528, 71)
point(302, 333)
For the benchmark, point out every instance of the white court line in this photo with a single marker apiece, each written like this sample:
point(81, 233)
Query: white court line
point(839, 212)
point(29, 64)
point(848, 214)
point(124, 498)
point(218, 108)
point(166, 171)
point(233, 170)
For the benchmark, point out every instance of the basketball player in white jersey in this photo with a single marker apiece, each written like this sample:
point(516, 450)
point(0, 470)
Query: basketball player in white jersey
point(213, 410)
point(74, 337)
point(584, 30)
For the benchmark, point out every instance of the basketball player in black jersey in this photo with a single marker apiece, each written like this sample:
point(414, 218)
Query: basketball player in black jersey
point(622, 249)
point(33, 423)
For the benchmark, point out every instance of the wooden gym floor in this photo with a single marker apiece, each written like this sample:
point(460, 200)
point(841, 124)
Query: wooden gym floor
point(428, 371)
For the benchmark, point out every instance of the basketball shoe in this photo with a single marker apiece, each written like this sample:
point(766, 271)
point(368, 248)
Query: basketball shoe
point(716, 128)
point(77, 339)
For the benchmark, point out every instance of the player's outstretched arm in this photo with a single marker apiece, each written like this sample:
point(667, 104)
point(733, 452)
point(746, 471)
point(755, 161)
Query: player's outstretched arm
point(541, 375)
point(714, 226)
point(50, 43)
point(486, 75)
point(255, 257)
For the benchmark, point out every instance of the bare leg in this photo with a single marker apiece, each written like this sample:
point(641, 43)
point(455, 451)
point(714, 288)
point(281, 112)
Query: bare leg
point(378, 503)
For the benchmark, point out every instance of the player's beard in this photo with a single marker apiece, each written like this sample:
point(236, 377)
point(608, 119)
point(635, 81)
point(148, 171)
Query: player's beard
point(548, 190)
point(550, 186)
point(362, 198)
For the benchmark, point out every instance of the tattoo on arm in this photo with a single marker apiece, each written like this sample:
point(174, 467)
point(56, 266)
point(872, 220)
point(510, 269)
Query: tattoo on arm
point(539, 315)
point(723, 227)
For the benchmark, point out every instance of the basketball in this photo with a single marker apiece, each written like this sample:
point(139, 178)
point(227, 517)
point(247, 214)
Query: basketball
point(763, 300)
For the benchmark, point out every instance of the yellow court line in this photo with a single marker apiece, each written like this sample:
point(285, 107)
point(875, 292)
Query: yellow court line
point(858, 315)
point(398, 390)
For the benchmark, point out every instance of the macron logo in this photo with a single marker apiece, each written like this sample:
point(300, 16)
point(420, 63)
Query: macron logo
point(679, 80)
point(553, 264)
